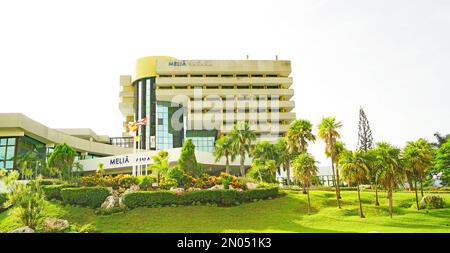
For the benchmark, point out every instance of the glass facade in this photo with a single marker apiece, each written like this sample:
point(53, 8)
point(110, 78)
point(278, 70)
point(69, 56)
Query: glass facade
point(124, 142)
point(203, 139)
point(144, 90)
point(13, 148)
point(7, 152)
point(166, 136)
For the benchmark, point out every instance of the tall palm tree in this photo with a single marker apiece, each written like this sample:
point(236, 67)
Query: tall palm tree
point(391, 173)
point(374, 171)
point(418, 157)
point(284, 157)
point(305, 170)
point(354, 167)
point(328, 131)
point(224, 147)
point(242, 137)
point(263, 152)
point(299, 134)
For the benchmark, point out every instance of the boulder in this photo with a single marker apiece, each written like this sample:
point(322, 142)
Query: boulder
point(54, 225)
point(433, 201)
point(252, 186)
point(121, 204)
point(22, 230)
point(110, 202)
point(217, 187)
point(133, 188)
point(191, 189)
point(176, 190)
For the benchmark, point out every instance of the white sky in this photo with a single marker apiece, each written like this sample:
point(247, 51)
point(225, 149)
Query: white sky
point(60, 61)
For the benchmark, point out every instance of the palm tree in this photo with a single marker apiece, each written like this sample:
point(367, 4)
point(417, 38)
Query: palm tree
point(161, 164)
point(374, 171)
point(305, 170)
point(354, 167)
point(328, 132)
point(441, 139)
point(242, 137)
point(224, 147)
point(418, 157)
point(263, 152)
point(298, 135)
point(284, 157)
point(391, 173)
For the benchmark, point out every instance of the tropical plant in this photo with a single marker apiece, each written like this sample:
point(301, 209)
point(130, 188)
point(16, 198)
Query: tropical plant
point(100, 169)
point(160, 165)
point(298, 135)
point(26, 163)
point(441, 162)
point(187, 161)
point(242, 137)
point(284, 157)
point(440, 139)
point(305, 170)
point(263, 170)
point(391, 170)
point(225, 147)
point(374, 171)
point(418, 158)
point(62, 159)
point(29, 203)
point(354, 166)
point(328, 131)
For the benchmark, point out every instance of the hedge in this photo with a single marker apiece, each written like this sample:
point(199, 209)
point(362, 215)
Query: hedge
point(3, 198)
point(51, 181)
point(54, 191)
point(219, 197)
point(85, 196)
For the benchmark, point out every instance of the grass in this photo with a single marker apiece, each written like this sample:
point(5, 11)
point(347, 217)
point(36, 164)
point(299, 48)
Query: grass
point(284, 214)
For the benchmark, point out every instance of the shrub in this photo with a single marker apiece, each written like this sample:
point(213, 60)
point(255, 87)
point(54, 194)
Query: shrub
point(29, 202)
point(168, 183)
point(54, 191)
point(93, 180)
point(149, 198)
point(51, 181)
point(3, 198)
point(85, 196)
point(87, 228)
point(146, 182)
point(432, 202)
point(126, 180)
point(209, 197)
point(109, 211)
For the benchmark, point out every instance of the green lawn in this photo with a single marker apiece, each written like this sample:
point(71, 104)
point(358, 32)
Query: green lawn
point(283, 214)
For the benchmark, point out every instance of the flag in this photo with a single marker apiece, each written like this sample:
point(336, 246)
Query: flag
point(142, 122)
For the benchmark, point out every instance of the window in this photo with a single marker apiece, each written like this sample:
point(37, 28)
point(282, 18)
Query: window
point(7, 152)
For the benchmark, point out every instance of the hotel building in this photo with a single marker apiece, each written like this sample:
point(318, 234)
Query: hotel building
point(181, 99)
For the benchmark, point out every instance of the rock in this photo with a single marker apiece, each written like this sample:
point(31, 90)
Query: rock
point(133, 188)
point(177, 190)
point(121, 204)
point(54, 225)
point(252, 186)
point(217, 187)
point(433, 201)
point(110, 202)
point(22, 230)
point(193, 189)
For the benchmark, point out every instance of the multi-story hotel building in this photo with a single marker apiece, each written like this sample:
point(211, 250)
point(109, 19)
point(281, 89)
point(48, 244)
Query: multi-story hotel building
point(202, 99)
point(196, 99)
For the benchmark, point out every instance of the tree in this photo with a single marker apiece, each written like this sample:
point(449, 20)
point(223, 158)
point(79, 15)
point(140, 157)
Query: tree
point(440, 139)
point(365, 139)
point(242, 137)
point(284, 157)
point(441, 162)
point(187, 161)
point(263, 170)
point(391, 173)
point(225, 147)
point(374, 171)
point(328, 132)
point(298, 135)
point(354, 166)
point(62, 159)
point(264, 161)
point(305, 170)
point(418, 158)
point(160, 164)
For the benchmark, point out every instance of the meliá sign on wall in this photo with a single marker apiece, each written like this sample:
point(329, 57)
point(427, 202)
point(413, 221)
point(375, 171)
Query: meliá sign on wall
point(120, 161)
point(189, 63)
